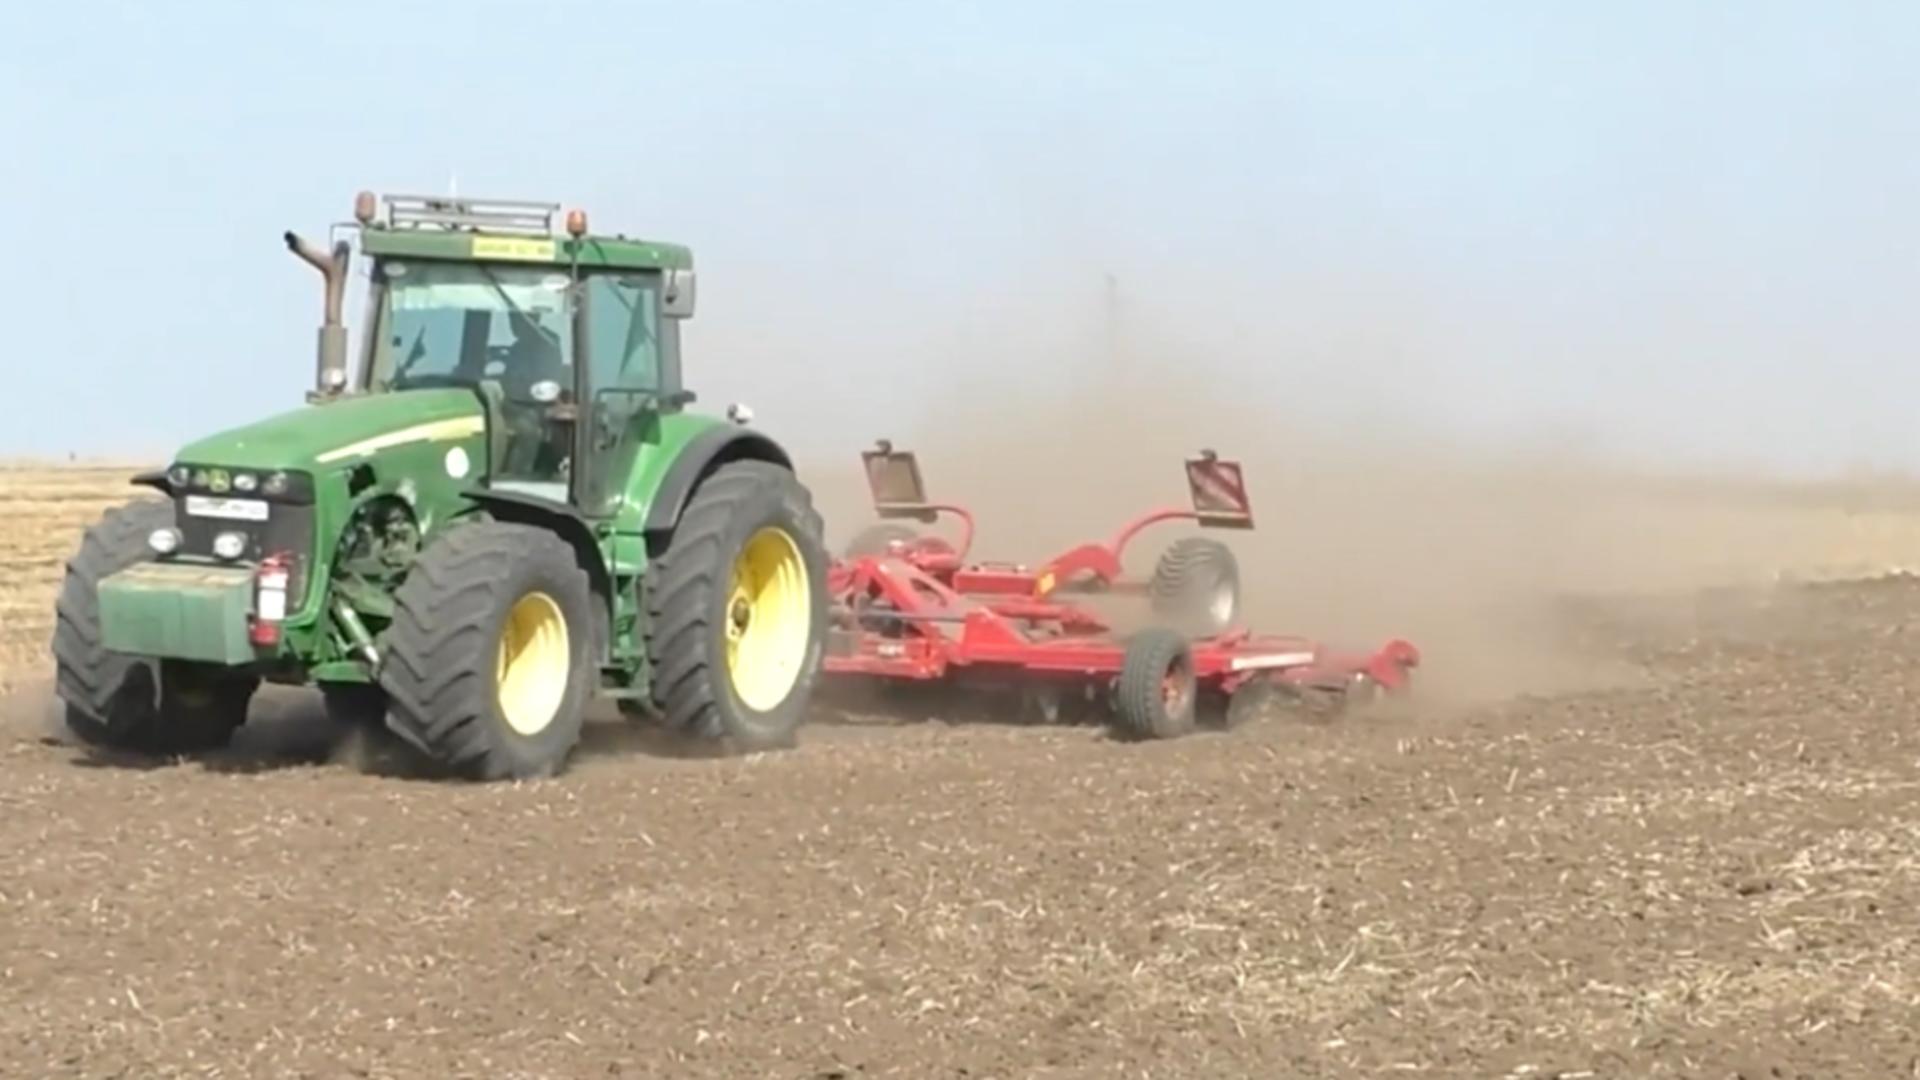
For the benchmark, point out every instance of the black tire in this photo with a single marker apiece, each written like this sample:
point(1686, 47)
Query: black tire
point(1157, 695)
point(440, 667)
point(1196, 586)
point(874, 539)
point(688, 607)
point(122, 702)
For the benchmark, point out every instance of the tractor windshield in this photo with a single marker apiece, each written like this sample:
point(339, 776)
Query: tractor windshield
point(506, 330)
point(459, 324)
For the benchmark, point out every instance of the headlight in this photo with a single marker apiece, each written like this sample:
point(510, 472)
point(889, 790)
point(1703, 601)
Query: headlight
point(164, 541)
point(275, 484)
point(180, 476)
point(230, 545)
point(245, 481)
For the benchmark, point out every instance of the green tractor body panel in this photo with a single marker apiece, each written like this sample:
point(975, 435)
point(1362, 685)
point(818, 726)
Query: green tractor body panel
point(422, 448)
point(183, 611)
point(341, 432)
point(658, 454)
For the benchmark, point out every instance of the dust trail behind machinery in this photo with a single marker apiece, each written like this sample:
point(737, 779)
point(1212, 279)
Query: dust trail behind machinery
point(1362, 533)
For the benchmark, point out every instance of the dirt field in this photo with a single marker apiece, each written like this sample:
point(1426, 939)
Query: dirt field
point(1702, 859)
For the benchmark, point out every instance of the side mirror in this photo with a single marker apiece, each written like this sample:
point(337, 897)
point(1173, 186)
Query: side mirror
point(678, 301)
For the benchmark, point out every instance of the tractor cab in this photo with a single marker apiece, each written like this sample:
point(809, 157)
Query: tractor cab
point(571, 342)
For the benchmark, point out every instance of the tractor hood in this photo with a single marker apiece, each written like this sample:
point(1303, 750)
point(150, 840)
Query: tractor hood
point(317, 436)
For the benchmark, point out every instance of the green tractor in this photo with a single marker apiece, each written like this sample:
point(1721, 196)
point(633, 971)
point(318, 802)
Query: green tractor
point(505, 513)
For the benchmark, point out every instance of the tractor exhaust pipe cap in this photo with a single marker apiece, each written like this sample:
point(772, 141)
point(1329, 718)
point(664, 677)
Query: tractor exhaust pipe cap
point(330, 365)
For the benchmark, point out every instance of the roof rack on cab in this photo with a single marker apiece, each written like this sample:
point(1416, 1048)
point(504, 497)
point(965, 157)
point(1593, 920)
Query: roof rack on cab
point(479, 215)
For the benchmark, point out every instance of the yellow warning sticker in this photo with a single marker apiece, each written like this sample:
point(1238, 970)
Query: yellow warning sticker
point(523, 248)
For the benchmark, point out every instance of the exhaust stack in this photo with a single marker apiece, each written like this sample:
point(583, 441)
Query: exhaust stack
point(330, 367)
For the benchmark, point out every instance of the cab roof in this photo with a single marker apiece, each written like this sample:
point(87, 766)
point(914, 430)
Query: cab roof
point(462, 230)
point(613, 252)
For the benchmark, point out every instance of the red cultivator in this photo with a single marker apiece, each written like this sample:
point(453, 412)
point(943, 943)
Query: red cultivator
point(909, 607)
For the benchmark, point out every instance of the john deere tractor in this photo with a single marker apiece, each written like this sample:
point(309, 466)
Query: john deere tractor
point(506, 511)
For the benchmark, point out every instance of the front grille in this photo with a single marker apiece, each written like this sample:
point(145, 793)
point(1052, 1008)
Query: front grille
point(288, 528)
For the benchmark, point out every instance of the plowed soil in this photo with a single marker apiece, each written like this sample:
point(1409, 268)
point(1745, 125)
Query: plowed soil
point(1709, 868)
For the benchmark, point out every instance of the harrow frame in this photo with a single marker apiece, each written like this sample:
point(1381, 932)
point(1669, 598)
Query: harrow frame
point(919, 612)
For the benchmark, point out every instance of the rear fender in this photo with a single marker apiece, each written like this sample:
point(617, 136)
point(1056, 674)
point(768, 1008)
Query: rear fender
point(701, 455)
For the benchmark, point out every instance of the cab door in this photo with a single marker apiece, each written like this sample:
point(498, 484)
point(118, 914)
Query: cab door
point(632, 369)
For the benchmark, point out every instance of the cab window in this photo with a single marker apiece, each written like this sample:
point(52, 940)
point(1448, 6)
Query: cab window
point(623, 332)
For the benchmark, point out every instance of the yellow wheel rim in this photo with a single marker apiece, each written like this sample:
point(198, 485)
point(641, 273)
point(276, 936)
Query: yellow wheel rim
point(769, 619)
point(531, 670)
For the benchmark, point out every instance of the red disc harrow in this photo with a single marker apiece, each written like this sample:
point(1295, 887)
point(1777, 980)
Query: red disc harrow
point(908, 606)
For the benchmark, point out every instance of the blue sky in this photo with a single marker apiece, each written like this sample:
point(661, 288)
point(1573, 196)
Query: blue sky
point(1667, 229)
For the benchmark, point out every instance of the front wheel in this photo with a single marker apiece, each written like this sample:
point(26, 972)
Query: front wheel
point(737, 609)
point(489, 661)
point(194, 708)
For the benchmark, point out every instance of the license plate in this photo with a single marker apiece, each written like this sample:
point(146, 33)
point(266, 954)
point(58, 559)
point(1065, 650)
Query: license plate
point(229, 509)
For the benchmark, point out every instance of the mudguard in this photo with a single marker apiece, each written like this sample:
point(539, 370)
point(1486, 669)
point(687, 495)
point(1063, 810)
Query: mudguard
point(564, 520)
point(702, 454)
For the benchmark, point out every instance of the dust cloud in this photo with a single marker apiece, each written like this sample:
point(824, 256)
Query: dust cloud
point(1363, 534)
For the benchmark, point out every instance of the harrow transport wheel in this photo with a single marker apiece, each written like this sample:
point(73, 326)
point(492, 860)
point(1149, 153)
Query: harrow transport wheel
point(490, 660)
point(875, 539)
point(1196, 585)
point(1157, 695)
point(737, 610)
point(128, 702)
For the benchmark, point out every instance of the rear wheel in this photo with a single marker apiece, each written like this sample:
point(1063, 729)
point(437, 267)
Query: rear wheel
point(1196, 585)
point(489, 660)
point(737, 609)
point(1157, 695)
point(126, 702)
